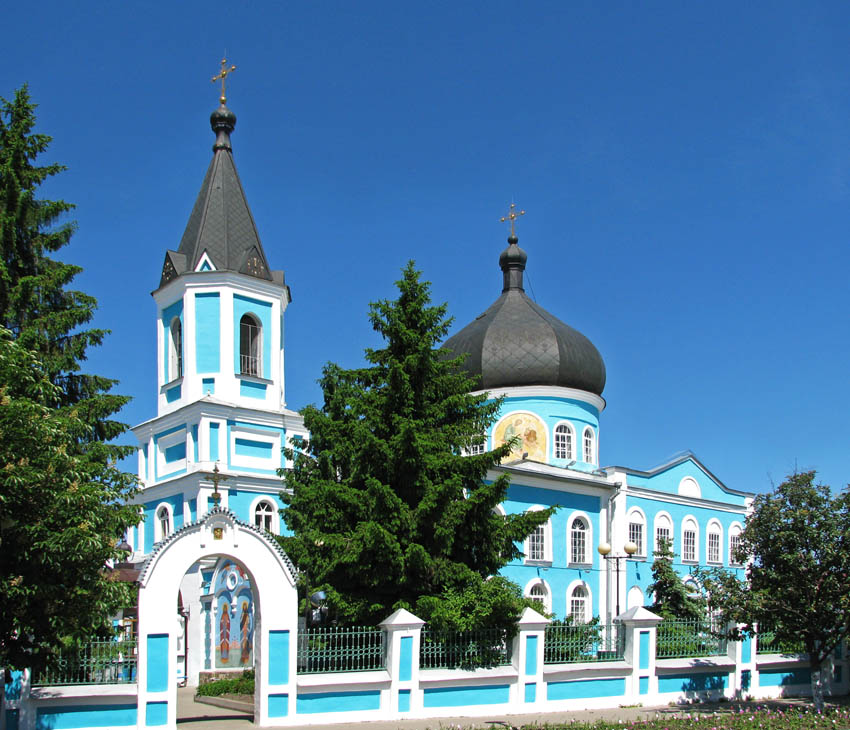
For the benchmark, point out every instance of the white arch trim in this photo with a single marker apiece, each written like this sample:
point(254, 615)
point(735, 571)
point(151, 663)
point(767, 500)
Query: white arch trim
point(157, 526)
point(588, 608)
point(689, 487)
point(663, 518)
point(689, 521)
point(218, 534)
point(636, 514)
point(547, 603)
point(635, 597)
point(589, 543)
point(275, 514)
point(547, 537)
point(572, 456)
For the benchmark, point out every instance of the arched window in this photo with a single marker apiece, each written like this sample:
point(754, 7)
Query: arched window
point(578, 541)
point(263, 514)
point(539, 594)
point(734, 543)
point(689, 540)
point(637, 525)
point(163, 517)
point(563, 441)
point(589, 451)
point(714, 538)
point(538, 545)
point(175, 347)
point(663, 531)
point(250, 345)
point(579, 605)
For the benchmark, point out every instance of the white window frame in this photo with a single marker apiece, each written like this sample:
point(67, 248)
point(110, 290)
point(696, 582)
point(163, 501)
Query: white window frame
point(547, 592)
point(587, 598)
point(587, 558)
point(570, 446)
point(588, 446)
point(663, 519)
point(255, 352)
point(157, 522)
point(735, 530)
point(275, 517)
point(636, 516)
point(175, 350)
point(714, 528)
point(690, 524)
point(547, 542)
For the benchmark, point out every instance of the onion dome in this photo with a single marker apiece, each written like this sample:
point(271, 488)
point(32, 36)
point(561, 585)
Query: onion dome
point(516, 342)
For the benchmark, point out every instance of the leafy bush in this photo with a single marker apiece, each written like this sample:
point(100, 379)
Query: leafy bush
point(243, 685)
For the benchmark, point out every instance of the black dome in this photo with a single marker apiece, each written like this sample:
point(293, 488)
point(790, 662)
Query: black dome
point(516, 342)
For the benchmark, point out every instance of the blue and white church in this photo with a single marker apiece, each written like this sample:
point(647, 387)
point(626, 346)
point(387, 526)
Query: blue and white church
point(222, 423)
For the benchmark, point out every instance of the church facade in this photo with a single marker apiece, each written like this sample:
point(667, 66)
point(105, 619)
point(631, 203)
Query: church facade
point(222, 422)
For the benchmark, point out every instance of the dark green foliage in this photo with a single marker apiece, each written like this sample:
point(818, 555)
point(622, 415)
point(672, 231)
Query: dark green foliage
point(61, 516)
point(386, 510)
point(797, 542)
point(61, 510)
point(672, 599)
point(243, 685)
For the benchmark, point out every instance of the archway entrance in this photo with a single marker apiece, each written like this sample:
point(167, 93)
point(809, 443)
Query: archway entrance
point(264, 632)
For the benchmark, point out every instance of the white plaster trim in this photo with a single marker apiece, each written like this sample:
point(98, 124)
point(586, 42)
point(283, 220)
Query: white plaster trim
point(217, 280)
point(546, 391)
point(689, 520)
point(642, 515)
point(659, 496)
point(205, 259)
point(464, 677)
point(574, 444)
point(588, 606)
point(547, 540)
point(589, 542)
point(368, 680)
point(275, 516)
point(157, 525)
point(547, 600)
point(689, 487)
point(671, 525)
point(87, 691)
point(558, 483)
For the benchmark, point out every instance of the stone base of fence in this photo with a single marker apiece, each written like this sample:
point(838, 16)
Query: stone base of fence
point(595, 673)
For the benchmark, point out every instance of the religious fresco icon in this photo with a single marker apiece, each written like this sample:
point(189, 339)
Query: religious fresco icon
point(234, 602)
point(529, 432)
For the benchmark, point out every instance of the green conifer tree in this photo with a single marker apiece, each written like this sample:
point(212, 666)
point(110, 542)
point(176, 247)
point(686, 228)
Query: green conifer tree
point(387, 508)
point(62, 512)
point(672, 597)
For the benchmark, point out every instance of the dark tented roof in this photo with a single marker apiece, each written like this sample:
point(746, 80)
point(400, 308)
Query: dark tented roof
point(221, 224)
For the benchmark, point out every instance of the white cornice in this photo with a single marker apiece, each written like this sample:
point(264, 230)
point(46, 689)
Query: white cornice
point(567, 482)
point(652, 494)
point(547, 391)
point(209, 407)
point(217, 279)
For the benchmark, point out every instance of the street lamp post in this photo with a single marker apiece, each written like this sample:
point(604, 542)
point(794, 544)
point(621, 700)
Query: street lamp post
point(605, 549)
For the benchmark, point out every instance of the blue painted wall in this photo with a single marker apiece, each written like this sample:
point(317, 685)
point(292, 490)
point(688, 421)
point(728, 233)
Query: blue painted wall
point(582, 689)
point(306, 704)
point(692, 682)
point(278, 657)
point(207, 332)
point(492, 694)
point(149, 509)
point(551, 411)
point(71, 717)
point(558, 576)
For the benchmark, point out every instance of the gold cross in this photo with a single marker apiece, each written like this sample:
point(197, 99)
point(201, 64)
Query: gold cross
point(216, 477)
point(223, 75)
point(512, 216)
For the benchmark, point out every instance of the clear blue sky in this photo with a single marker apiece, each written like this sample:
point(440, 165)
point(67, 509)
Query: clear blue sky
point(685, 168)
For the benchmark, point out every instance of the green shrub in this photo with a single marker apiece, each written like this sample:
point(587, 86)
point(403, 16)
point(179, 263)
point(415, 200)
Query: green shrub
point(243, 685)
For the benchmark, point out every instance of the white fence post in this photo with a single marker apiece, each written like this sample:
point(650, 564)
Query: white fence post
point(528, 656)
point(640, 627)
point(404, 636)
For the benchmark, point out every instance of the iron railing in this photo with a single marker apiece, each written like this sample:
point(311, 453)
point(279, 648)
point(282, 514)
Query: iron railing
point(341, 649)
point(97, 662)
point(249, 365)
point(464, 649)
point(689, 638)
point(767, 643)
point(563, 644)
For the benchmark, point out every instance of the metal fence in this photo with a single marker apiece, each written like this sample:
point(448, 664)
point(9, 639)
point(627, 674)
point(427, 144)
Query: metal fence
point(97, 662)
point(464, 649)
point(683, 638)
point(341, 649)
point(767, 643)
point(563, 644)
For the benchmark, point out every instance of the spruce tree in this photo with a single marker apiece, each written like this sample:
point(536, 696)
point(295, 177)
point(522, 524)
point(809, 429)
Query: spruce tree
point(672, 597)
point(387, 506)
point(62, 511)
